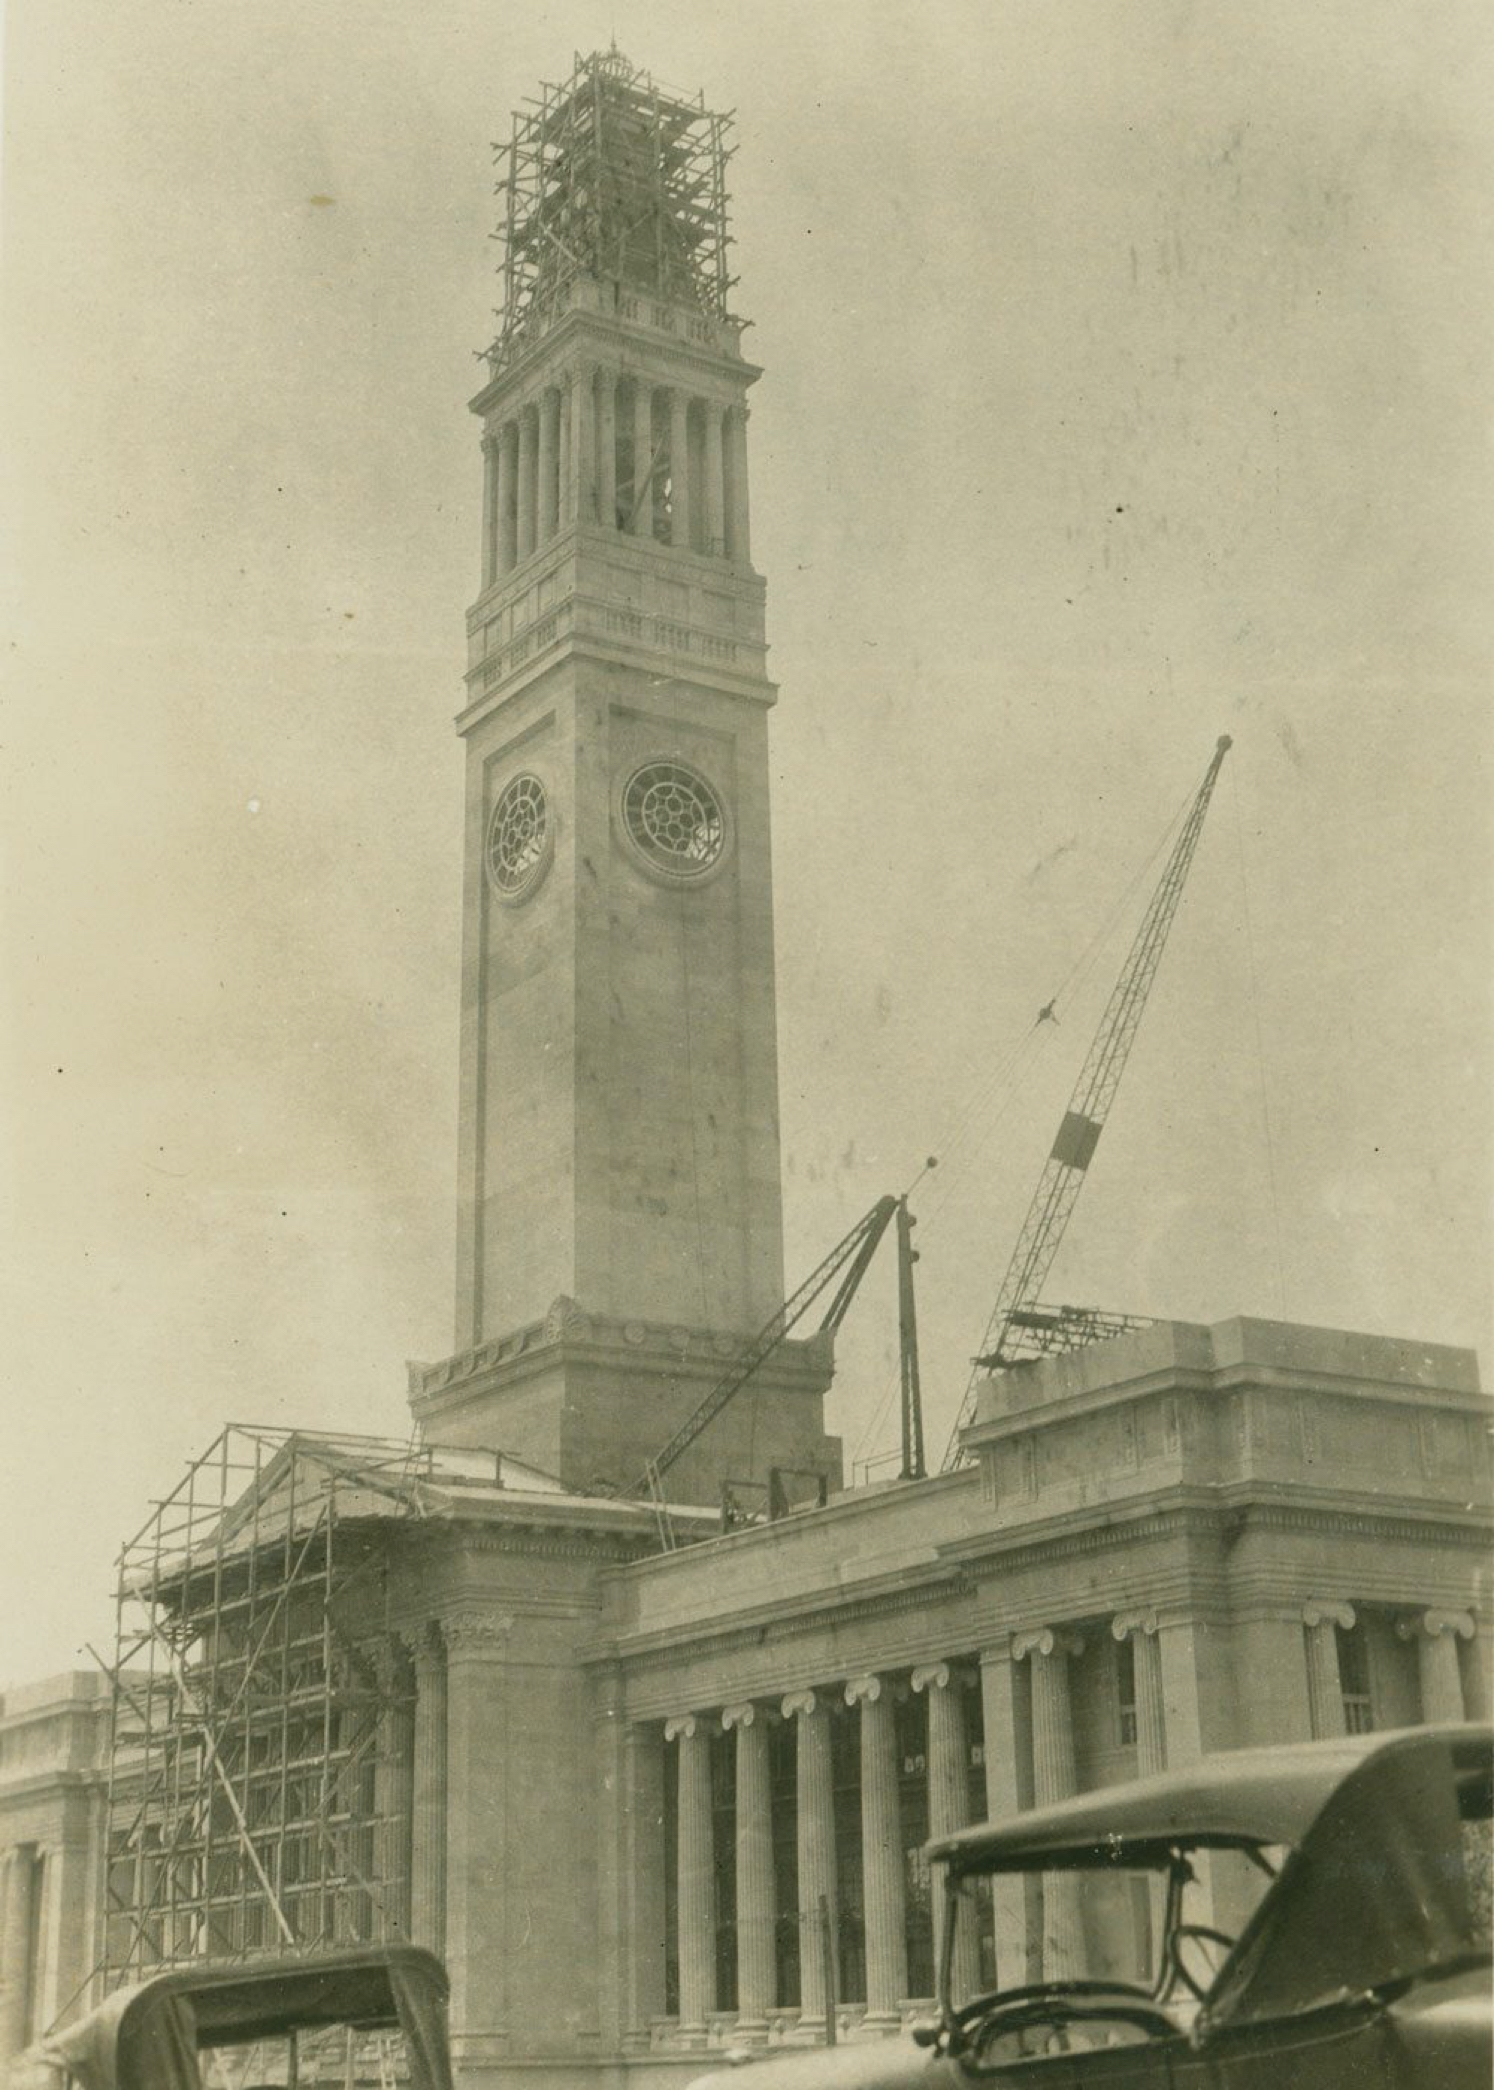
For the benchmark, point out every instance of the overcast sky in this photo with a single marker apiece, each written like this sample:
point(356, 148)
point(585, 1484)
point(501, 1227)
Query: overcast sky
point(1127, 376)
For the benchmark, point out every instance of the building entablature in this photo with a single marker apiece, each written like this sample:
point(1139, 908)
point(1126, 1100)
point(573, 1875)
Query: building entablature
point(613, 319)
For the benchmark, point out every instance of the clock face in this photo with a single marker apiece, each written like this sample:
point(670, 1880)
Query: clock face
point(674, 820)
point(521, 837)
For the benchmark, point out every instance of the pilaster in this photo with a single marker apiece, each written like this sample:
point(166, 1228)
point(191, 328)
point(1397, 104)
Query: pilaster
point(478, 1773)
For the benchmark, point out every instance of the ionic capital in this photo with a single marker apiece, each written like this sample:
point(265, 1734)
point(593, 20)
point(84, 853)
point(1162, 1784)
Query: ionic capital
point(744, 1715)
point(797, 1702)
point(931, 1676)
point(1328, 1611)
point(1125, 1623)
point(1045, 1640)
point(1435, 1623)
point(864, 1690)
point(683, 1727)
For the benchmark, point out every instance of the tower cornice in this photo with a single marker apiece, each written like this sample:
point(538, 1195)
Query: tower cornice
point(692, 343)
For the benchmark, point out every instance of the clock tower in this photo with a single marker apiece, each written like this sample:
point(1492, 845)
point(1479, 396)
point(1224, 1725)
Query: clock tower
point(620, 1224)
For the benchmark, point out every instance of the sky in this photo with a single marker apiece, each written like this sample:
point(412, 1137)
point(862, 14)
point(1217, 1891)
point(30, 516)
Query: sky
point(1127, 375)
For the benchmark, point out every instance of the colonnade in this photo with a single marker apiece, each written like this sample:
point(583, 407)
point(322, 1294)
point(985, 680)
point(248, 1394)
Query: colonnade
point(1434, 1634)
point(948, 1686)
point(598, 446)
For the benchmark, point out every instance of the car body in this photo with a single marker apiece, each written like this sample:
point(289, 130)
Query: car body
point(149, 2035)
point(1363, 1966)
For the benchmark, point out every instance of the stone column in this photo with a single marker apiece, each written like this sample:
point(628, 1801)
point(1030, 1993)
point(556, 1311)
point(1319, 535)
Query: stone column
point(607, 449)
point(547, 508)
point(477, 1819)
point(738, 534)
point(1436, 1634)
point(1053, 1778)
point(1140, 1628)
point(695, 1901)
point(428, 1797)
point(815, 1794)
point(884, 1888)
point(949, 1809)
point(565, 493)
point(528, 479)
point(641, 510)
point(583, 443)
point(490, 464)
point(679, 468)
point(756, 1961)
point(508, 497)
point(1008, 1788)
point(18, 1888)
point(715, 486)
point(393, 1779)
point(1325, 1692)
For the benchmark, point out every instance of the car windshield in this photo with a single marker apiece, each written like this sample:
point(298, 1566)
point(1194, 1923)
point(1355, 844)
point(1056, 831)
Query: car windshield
point(1101, 1955)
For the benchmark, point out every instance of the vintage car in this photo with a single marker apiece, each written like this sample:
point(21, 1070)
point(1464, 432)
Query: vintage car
point(1363, 1962)
point(168, 2033)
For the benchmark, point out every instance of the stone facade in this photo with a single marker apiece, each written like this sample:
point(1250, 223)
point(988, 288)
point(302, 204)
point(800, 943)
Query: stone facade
point(650, 1801)
point(53, 1752)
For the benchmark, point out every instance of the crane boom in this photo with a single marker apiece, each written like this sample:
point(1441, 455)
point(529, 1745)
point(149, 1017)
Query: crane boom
point(1064, 1171)
point(847, 1260)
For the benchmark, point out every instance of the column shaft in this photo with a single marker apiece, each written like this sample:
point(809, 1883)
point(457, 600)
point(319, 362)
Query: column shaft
point(1437, 1661)
point(508, 498)
point(883, 1884)
point(583, 444)
point(715, 487)
point(949, 1809)
point(490, 457)
point(641, 508)
point(565, 483)
point(815, 1794)
point(756, 1966)
point(1008, 1788)
point(1053, 1779)
point(18, 1885)
point(547, 504)
point(679, 469)
point(738, 531)
point(428, 1798)
point(528, 480)
point(607, 449)
point(696, 1900)
point(393, 1787)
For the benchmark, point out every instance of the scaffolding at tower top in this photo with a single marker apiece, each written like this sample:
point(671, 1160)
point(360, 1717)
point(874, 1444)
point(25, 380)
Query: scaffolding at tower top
point(614, 177)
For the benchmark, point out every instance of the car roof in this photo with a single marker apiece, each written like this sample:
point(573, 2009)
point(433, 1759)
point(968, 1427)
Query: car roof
point(1245, 1796)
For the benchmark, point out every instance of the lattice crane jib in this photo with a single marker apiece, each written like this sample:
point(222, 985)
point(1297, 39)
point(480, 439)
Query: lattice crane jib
point(260, 1739)
point(612, 176)
point(1019, 1327)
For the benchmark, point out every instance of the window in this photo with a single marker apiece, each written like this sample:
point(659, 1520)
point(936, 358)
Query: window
point(1354, 1679)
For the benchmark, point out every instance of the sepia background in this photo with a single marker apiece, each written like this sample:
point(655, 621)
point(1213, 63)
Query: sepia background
point(1127, 377)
